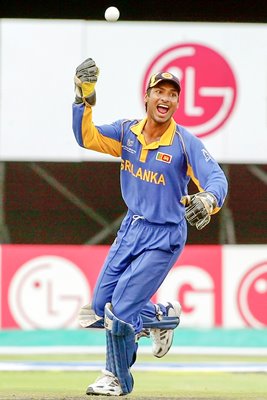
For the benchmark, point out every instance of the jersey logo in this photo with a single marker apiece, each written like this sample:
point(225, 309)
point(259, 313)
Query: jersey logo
point(163, 157)
point(130, 142)
point(143, 174)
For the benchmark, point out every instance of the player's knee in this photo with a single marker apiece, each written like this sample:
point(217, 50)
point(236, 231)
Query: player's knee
point(98, 306)
point(120, 313)
point(127, 316)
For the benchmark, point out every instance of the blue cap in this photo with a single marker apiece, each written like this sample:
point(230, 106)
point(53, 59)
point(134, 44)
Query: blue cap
point(163, 76)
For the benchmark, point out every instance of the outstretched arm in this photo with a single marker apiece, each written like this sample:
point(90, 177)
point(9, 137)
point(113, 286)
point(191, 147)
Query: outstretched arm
point(104, 139)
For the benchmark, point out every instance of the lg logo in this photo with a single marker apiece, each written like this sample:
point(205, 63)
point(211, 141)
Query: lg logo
point(47, 292)
point(242, 302)
point(196, 290)
point(209, 88)
point(252, 296)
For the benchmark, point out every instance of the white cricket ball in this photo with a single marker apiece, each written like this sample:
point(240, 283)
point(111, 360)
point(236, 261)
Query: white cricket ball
point(112, 14)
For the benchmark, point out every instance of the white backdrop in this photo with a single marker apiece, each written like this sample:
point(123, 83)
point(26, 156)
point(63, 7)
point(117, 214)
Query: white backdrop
point(222, 67)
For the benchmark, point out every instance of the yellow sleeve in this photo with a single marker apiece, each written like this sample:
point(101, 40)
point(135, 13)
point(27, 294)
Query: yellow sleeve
point(95, 140)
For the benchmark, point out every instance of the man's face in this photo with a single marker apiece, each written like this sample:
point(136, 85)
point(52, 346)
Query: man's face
point(162, 101)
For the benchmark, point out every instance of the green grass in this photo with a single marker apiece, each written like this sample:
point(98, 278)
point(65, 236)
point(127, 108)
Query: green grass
point(61, 385)
point(148, 385)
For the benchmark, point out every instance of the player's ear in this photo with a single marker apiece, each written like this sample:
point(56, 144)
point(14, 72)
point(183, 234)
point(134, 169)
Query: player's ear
point(178, 101)
point(145, 100)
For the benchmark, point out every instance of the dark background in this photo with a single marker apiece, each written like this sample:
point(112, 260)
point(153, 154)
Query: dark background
point(164, 10)
point(35, 212)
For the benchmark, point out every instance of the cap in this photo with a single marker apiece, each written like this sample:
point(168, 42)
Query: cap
point(163, 76)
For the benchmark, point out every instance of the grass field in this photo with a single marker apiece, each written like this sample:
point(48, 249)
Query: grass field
point(148, 385)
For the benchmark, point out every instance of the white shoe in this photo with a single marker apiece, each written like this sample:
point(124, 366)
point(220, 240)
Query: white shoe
point(162, 338)
point(107, 385)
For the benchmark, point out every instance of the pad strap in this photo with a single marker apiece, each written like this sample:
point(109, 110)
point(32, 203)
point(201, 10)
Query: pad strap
point(164, 322)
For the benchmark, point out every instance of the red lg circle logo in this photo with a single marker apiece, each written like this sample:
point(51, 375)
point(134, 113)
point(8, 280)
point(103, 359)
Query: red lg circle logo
point(208, 84)
point(252, 296)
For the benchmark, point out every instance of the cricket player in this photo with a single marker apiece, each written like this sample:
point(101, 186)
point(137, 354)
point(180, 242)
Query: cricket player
point(158, 159)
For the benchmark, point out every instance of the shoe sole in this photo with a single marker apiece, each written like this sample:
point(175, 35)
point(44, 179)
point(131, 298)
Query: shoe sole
point(91, 392)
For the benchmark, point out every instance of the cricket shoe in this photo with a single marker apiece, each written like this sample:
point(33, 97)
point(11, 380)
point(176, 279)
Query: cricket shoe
point(162, 338)
point(106, 385)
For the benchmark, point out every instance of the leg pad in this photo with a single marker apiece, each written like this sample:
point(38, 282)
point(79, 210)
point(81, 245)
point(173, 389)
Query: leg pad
point(121, 351)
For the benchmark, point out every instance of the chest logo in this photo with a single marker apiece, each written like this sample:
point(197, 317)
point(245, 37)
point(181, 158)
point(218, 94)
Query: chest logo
point(130, 142)
point(163, 157)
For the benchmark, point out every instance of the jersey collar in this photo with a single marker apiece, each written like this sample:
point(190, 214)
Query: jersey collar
point(165, 140)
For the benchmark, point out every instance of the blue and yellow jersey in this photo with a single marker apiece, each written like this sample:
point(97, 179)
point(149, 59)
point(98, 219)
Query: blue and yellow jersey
point(154, 176)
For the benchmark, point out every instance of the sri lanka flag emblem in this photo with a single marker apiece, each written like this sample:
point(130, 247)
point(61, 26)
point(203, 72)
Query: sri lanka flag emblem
point(163, 157)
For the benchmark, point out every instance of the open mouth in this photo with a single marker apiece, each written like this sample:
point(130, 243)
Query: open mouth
point(162, 109)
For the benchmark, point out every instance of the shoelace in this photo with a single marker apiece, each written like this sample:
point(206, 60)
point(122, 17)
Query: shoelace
point(145, 332)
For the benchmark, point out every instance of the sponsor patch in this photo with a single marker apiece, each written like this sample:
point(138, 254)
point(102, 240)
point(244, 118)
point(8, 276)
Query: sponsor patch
point(129, 149)
point(206, 155)
point(164, 157)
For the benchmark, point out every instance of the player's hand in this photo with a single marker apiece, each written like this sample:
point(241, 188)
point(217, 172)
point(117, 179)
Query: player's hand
point(85, 79)
point(198, 208)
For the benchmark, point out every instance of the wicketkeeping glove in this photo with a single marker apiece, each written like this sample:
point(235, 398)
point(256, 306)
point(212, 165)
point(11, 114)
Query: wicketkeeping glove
point(198, 208)
point(85, 80)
